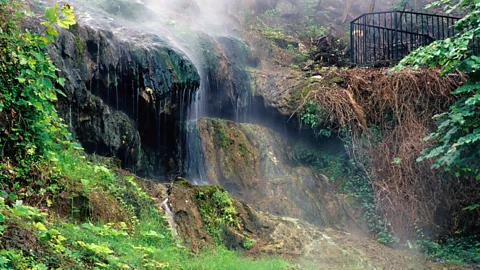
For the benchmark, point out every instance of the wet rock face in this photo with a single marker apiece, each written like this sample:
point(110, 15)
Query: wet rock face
point(258, 166)
point(228, 84)
point(126, 96)
point(242, 87)
point(187, 218)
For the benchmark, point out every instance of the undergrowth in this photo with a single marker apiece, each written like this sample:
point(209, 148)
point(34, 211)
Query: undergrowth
point(459, 251)
point(324, 162)
point(360, 187)
point(217, 211)
point(143, 242)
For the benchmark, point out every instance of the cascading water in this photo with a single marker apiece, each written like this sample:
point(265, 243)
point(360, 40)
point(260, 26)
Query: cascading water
point(195, 167)
point(208, 20)
point(170, 217)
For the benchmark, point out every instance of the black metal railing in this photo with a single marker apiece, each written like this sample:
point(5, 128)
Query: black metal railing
point(386, 37)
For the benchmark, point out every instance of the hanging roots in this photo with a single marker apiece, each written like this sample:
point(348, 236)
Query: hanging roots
point(400, 107)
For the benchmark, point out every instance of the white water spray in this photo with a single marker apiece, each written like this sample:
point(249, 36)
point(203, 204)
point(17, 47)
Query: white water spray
point(170, 217)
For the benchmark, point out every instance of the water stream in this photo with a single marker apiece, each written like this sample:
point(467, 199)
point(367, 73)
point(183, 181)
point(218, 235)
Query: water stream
point(170, 217)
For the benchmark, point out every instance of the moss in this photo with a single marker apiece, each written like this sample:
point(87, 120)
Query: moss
point(80, 45)
point(222, 137)
point(243, 149)
point(245, 153)
point(216, 209)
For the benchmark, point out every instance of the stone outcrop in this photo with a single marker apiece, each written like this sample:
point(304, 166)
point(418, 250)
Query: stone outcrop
point(126, 95)
point(258, 166)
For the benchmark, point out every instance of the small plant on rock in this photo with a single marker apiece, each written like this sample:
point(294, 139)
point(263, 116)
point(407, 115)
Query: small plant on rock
point(248, 243)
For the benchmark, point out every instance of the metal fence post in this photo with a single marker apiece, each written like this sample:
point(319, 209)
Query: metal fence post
point(395, 42)
point(352, 44)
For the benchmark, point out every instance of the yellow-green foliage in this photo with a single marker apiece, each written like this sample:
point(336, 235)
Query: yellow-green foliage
point(148, 245)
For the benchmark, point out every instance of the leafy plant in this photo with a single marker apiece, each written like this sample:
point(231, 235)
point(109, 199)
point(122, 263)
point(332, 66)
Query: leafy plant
point(28, 92)
point(461, 251)
point(271, 13)
point(311, 115)
point(39, 159)
point(217, 211)
point(248, 243)
point(312, 29)
point(457, 139)
point(360, 187)
point(329, 164)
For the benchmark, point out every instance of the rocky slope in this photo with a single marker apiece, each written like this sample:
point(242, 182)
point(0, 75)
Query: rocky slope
point(308, 246)
point(260, 167)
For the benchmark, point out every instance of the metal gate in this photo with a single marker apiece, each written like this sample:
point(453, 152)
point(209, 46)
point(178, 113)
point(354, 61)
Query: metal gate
point(386, 37)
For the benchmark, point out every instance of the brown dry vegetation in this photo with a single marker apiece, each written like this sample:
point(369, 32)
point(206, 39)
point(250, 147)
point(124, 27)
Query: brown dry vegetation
point(389, 115)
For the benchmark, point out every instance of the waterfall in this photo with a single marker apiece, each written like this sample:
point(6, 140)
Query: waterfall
point(170, 217)
point(98, 66)
point(108, 84)
point(116, 87)
point(195, 167)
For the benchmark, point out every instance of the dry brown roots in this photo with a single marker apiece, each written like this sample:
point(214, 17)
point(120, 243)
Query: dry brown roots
point(398, 108)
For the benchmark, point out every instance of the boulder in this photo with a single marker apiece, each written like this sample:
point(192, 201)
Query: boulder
point(20, 239)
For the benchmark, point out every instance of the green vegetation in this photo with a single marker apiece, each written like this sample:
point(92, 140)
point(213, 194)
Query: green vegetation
point(456, 142)
point(327, 163)
point(459, 251)
point(217, 211)
point(351, 180)
point(243, 149)
point(245, 153)
point(146, 245)
point(80, 45)
point(312, 116)
point(359, 186)
point(222, 137)
point(32, 132)
point(457, 139)
point(248, 243)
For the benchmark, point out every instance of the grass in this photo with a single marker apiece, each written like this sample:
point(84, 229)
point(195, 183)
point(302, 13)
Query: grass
point(143, 241)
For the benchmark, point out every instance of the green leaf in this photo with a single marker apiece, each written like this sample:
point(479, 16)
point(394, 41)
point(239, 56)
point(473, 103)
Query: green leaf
point(32, 62)
point(51, 14)
point(2, 218)
point(4, 260)
point(61, 82)
point(66, 22)
point(50, 30)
